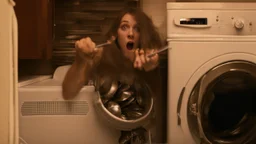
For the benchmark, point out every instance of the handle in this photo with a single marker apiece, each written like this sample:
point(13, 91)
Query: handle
point(158, 51)
point(103, 44)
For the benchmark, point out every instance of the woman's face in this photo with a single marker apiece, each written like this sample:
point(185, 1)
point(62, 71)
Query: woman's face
point(128, 35)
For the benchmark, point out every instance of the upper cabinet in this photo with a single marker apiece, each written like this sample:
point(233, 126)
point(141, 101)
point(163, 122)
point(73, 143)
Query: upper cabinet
point(34, 28)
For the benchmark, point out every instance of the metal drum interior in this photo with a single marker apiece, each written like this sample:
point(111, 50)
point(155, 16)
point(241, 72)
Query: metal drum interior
point(221, 107)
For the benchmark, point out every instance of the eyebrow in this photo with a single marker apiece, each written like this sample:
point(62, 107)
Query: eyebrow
point(124, 21)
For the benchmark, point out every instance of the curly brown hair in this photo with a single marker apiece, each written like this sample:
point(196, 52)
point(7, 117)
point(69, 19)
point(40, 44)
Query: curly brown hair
point(149, 36)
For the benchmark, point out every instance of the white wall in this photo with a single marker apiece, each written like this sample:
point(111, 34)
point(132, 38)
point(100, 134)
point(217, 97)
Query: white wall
point(156, 9)
point(5, 71)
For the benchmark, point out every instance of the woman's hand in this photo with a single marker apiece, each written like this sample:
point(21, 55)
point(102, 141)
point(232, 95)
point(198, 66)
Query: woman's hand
point(86, 51)
point(142, 61)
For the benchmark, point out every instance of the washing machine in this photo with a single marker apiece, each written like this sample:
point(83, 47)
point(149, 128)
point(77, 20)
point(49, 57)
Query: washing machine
point(46, 118)
point(211, 73)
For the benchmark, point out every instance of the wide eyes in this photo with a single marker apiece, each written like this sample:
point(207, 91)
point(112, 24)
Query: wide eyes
point(125, 27)
point(136, 28)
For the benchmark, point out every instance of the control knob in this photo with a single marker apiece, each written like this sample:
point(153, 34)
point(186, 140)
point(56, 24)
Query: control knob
point(239, 24)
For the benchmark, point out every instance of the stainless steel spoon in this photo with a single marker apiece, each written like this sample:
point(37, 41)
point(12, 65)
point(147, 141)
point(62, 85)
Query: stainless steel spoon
point(139, 99)
point(124, 87)
point(112, 39)
point(158, 51)
point(124, 96)
point(114, 108)
point(133, 114)
point(112, 90)
point(123, 117)
point(127, 102)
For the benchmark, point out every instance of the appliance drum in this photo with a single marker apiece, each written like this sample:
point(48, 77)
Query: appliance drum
point(221, 106)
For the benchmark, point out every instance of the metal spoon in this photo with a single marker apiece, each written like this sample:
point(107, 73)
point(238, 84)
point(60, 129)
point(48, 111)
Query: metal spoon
point(127, 102)
point(133, 114)
point(133, 107)
point(123, 117)
point(158, 51)
point(112, 90)
point(124, 96)
point(105, 84)
point(139, 99)
point(123, 87)
point(106, 43)
point(114, 108)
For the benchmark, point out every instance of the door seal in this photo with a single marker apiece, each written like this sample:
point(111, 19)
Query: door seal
point(179, 105)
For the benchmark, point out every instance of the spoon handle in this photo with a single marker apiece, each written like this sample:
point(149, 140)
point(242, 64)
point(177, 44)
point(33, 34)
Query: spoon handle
point(110, 41)
point(158, 51)
point(103, 44)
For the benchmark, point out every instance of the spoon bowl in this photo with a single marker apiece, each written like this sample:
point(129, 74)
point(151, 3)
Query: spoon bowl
point(125, 95)
point(114, 108)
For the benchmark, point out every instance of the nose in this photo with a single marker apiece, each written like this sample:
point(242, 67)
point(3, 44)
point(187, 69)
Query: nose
point(131, 34)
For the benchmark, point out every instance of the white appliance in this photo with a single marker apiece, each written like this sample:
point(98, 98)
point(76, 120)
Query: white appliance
point(46, 118)
point(8, 77)
point(212, 72)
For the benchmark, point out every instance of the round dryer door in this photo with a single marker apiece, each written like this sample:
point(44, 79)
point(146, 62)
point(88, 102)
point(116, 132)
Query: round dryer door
point(222, 105)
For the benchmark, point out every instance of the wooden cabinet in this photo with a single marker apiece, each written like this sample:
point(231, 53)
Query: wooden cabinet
point(34, 28)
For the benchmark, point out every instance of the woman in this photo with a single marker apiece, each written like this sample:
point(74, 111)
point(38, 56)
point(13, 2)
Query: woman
point(126, 60)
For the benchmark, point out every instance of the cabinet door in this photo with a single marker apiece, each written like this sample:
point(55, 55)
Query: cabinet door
point(34, 28)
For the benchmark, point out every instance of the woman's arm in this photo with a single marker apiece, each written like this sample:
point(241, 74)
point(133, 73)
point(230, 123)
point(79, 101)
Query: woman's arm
point(75, 78)
point(87, 58)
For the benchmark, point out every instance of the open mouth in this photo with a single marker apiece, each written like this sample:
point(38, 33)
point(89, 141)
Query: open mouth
point(129, 45)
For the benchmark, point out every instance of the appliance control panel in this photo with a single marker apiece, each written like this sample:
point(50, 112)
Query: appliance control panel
point(211, 22)
point(193, 21)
